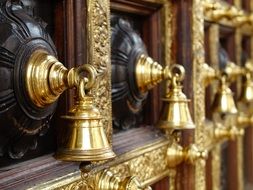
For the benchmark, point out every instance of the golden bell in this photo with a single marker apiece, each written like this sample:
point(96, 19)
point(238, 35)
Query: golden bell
point(247, 91)
point(83, 138)
point(175, 112)
point(224, 101)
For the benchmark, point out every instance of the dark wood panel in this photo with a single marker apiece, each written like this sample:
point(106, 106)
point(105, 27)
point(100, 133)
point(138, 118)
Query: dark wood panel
point(161, 185)
point(248, 158)
point(246, 5)
point(181, 52)
point(146, 19)
point(137, 7)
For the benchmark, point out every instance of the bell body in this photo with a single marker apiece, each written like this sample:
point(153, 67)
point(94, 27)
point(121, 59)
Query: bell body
point(175, 112)
point(224, 102)
point(247, 92)
point(83, 138)
point(175, 115)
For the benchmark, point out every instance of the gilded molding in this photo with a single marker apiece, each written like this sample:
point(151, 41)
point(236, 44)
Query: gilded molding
point(98, 29)
point(168, 31)
point(231, 17)
point(145, 167)
point(216, 167)
point(80, 184)
point(67, 182)
point(239, 142)
point(240, 162)
point(216, 152)
point(172, 180)
point(198, 51)
point(251, 45)
point(152, 157)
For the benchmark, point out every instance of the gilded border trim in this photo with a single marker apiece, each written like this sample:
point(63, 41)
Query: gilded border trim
point(131, 163)
point(216, 151)
point(246, 28)
point(198, 51)
point(99, 55)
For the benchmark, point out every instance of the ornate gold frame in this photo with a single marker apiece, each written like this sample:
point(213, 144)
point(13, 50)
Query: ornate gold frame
point(198, 89)
point(153, 156)
point(201, 13)
point(99, 52)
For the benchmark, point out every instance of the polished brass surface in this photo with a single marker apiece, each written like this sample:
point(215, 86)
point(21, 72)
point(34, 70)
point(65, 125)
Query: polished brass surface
point(217, 132)
point(176, 154)
point(219, 10)
point(83, 137)
point(228, 13)
point(216, 17)
point(200, 130)
point(233, 71)
point(244, 19)
point(224, 101)
point(149, 73)
point(244, 120)
point(223, 13)
point(247, 90)
point(208, 74)
point(107, 180)
point(47, 78)
point(231, 133)
point(175, 113)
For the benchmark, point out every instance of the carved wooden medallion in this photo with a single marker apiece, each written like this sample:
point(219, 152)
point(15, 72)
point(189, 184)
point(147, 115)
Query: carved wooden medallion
point(21, 121)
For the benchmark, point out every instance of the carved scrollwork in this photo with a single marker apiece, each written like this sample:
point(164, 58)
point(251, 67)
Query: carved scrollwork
point(99, 56)
point(154, 163)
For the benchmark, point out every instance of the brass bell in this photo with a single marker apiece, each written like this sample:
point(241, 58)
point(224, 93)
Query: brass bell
point(247, 90)
point(175, 111)
point(223, 101)
point(83, 138)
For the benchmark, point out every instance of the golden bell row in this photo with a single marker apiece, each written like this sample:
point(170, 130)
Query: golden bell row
point(84, 138)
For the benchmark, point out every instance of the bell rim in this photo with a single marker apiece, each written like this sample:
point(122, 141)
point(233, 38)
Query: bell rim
point(172, 125)
point(233, 111)
point(176, 100)
point(85, 155)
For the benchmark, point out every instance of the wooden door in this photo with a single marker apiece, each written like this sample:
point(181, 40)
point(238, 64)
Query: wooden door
point(173, 31)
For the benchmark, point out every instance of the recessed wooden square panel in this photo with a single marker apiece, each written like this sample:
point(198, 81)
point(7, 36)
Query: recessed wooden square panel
point(246, 5)
point(227, 41)
point(208, 91)
point(246, 49)
point(146, 21)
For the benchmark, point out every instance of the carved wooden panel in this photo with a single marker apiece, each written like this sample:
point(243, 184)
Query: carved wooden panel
point(126, 48)
point(21, 121)
point(147, 20)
